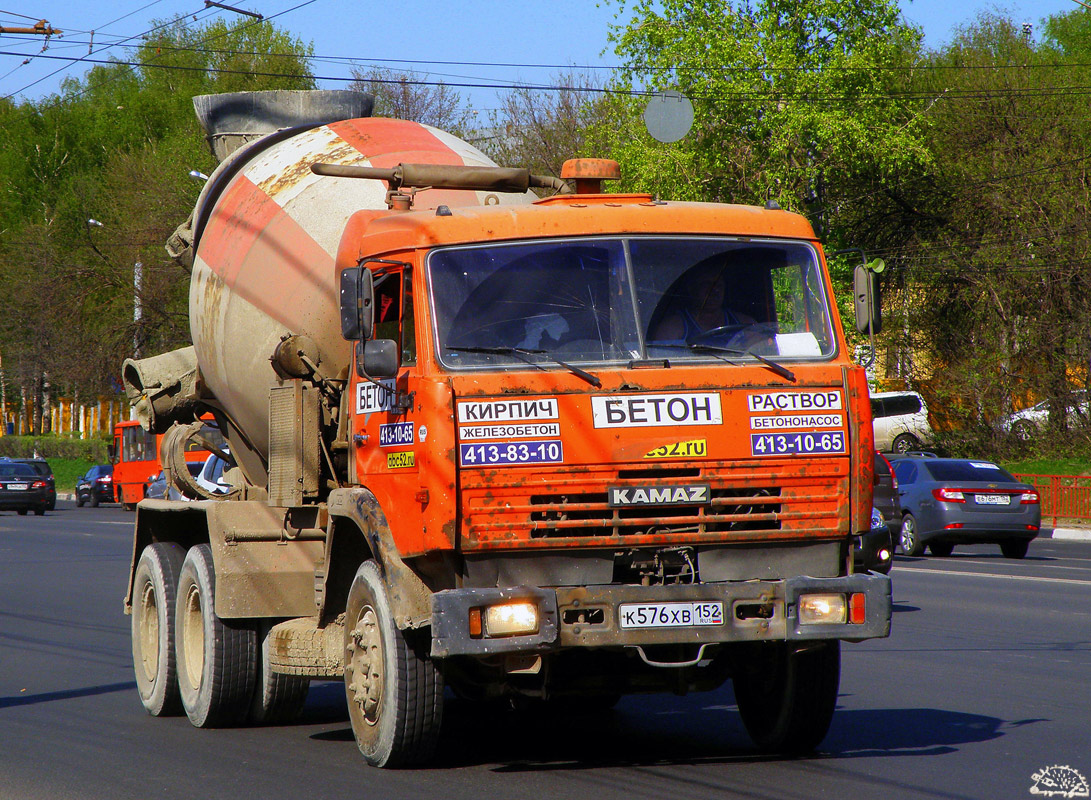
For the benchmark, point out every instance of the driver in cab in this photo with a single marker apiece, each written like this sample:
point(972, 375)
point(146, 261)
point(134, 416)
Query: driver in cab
point(704, 318)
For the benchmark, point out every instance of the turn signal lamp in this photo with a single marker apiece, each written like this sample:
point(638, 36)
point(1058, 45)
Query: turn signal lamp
point(822, 609)
point(511, 619)
point(858, 608)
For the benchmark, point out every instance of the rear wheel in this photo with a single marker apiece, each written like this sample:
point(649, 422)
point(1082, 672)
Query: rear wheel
point(787, 696)
point(216, 659)
point(155, 586)
point(94, 500)
point(394, 691)
point(1015, 548)
point(905, 442)
point(941, 549)
point(278, 698)
point(910, 539)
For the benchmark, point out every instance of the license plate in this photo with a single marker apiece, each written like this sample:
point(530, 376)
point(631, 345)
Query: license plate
point(671, 615)
point(18, 487)
point(994, 499)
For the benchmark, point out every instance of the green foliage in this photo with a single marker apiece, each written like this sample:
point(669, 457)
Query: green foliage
point(55, 447)
point(992, 277)
point(1075, 465)
point(115, 145)
point(789, 98)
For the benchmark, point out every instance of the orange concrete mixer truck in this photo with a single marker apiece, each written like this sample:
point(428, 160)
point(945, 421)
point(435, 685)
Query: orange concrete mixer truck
point(548, 450)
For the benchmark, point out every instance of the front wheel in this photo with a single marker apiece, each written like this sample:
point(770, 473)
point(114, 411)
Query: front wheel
point(1023, 430)
point(216, 660)
point(394, 691)
point(155, 587)
point(910, 538)
point(786, 696)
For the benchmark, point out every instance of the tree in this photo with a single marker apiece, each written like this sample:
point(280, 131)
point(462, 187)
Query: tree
point(540, 129)
point(790, 97)
point(405, 95)
point(116, 145)
point(991, 248)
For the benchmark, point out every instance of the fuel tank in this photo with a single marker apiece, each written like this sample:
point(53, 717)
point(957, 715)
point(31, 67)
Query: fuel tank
point(265, 233)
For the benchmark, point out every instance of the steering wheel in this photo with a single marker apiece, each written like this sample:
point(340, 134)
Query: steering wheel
point(727, 331)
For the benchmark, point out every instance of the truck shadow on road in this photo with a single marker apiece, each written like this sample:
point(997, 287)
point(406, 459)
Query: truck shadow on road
point(659, 730)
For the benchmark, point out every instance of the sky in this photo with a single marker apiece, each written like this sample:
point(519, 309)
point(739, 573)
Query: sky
point(465, 43)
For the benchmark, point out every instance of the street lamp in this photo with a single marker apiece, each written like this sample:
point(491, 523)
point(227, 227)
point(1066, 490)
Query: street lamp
point(138, 290)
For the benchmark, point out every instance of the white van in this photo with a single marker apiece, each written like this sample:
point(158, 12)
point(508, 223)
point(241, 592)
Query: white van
point(900, 421)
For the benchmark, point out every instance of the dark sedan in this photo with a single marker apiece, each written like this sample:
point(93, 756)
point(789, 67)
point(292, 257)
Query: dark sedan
point(45, 472)
point(949, 501)
point(95, 486)
point(22, 489)
point(874, 550)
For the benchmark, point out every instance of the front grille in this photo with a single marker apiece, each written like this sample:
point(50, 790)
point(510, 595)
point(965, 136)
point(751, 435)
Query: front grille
point(730, 510)
point(749, 501)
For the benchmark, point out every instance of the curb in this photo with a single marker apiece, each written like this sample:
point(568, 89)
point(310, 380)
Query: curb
point(1069, 534)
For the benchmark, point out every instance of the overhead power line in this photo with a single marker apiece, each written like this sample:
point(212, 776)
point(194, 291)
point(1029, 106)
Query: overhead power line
point(739, 96)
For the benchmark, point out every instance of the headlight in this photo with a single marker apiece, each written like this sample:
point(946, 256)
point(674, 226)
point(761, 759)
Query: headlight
point(877, 520)
point(818, 609)
point(511, 619)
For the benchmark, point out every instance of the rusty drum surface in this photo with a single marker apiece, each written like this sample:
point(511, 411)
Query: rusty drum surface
point(267, 235)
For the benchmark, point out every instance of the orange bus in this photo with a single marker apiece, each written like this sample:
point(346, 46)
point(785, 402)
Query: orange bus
point(136, 461)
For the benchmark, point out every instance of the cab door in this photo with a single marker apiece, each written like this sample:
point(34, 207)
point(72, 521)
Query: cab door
point(386, 433)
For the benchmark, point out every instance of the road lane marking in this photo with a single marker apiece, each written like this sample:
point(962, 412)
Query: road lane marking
point(1033, 578)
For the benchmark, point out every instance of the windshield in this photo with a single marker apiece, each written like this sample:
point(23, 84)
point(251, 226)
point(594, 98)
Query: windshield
point(615, 300)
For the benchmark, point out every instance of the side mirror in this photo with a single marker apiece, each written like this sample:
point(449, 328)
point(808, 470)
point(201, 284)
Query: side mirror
point(357, 304)
point(869, 307)
point(377, 358)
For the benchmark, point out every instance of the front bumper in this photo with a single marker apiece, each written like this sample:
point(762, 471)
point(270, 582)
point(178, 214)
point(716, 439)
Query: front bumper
point(589, 616)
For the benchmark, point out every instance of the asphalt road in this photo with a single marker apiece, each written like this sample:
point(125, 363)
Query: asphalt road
point(984, 682)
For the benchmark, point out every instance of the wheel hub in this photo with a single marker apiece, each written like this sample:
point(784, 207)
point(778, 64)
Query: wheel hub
point(366, 660)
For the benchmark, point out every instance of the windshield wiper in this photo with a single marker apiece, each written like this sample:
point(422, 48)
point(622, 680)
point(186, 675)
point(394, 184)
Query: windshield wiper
point(779, 369)
point(521, 353)
point(713, 350)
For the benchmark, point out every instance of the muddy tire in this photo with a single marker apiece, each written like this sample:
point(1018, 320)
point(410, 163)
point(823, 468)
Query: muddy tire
point(786, 697)
point(278, 699)
point(155, 585)
point(216, 659)
point(394, 691)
